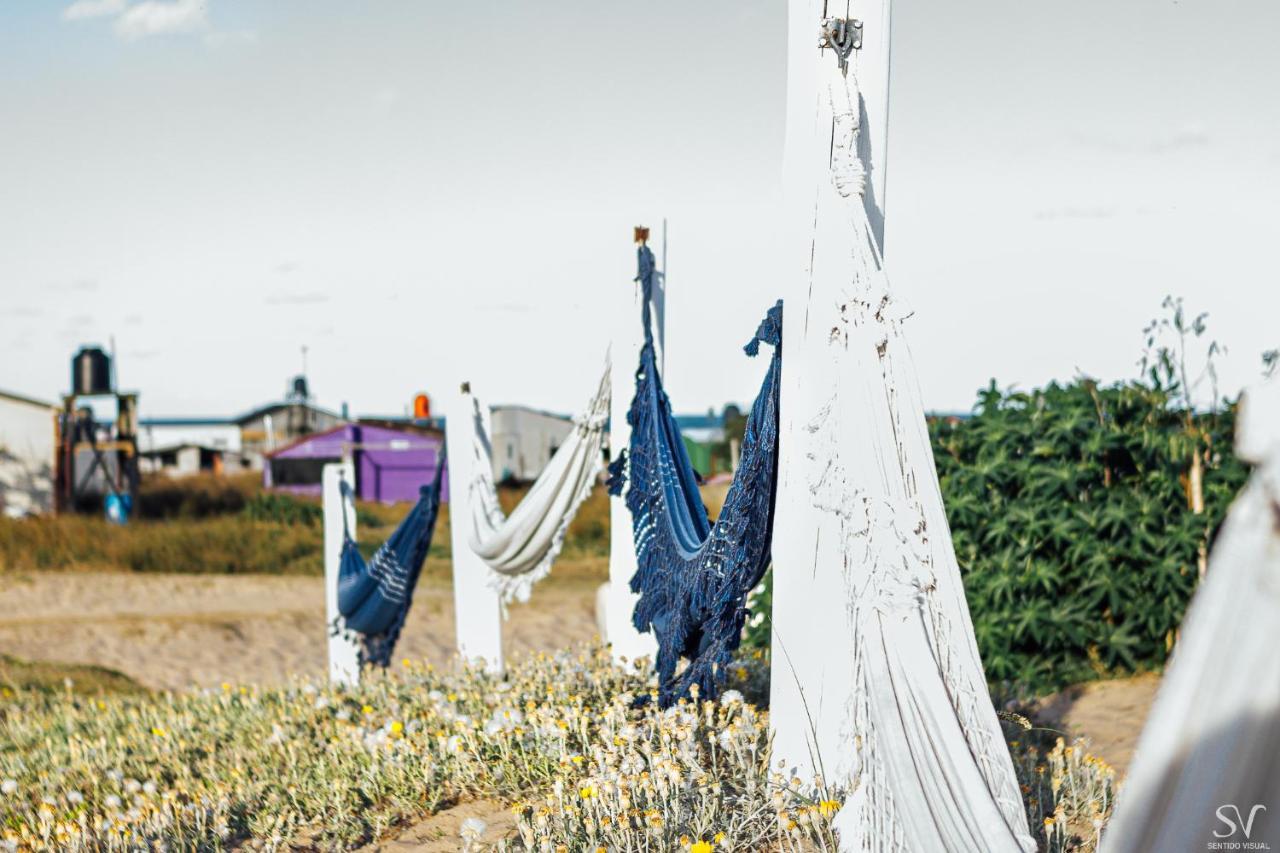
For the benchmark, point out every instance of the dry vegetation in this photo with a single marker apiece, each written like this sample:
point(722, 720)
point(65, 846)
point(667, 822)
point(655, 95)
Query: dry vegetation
point(91, 761)
point(559, 738)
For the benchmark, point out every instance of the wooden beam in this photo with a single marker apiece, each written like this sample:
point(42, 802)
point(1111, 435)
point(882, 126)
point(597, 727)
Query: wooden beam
point(812, 679)
point(344, 648)
point(476, 605)
point(628, 336)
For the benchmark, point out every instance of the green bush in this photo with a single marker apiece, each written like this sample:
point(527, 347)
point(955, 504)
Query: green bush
point(1070, 511)
point(283, 509)
point(198, 496)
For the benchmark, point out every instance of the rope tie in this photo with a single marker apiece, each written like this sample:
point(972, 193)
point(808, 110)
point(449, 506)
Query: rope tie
point(847, 170)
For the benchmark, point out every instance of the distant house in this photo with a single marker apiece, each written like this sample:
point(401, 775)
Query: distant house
point(27, 454)
point(240, 442)
point(168, 445)
point(181, 460)
point(701, 429)
point(391, 462)
point(268, 428)
point(524, 440)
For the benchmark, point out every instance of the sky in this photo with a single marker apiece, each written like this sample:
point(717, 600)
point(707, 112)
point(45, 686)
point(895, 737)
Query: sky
point(422, 191)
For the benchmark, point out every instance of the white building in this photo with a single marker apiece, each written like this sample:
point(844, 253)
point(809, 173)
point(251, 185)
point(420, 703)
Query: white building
point(524, 440)
point(27, 448)
point(158, 434)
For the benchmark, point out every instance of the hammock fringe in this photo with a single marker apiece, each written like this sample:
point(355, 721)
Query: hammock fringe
point(693, 577)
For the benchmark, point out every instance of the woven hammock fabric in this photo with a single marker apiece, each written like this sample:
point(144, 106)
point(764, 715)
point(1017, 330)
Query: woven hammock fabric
point(520, 548)
point(1204, 776)
point(924, 760)
point(693, 576)
point(374, 597)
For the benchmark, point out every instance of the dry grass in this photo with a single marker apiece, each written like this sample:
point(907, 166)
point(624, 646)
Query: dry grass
point(560, 738)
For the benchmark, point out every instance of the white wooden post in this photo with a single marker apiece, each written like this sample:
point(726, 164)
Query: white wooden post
point(344, 650)
point(628, 336)
point(812, 679)
point(476, 605)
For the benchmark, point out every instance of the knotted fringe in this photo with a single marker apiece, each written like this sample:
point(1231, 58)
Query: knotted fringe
point(693, 577)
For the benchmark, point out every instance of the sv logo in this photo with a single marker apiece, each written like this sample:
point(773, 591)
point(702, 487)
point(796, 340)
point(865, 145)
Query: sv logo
point(1239, 824)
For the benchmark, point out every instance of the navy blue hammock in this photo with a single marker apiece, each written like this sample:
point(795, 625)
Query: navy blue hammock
point(693, 576)
point(374, 597)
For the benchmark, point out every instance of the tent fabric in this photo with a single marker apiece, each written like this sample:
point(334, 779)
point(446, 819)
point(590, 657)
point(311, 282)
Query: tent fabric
point(374, 597)
point(693, 576)
point(1204, 774)
point(519, 549)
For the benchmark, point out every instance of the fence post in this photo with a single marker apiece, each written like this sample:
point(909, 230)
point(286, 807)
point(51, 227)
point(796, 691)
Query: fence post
point(812, 679)
point(338, 485)
point(476, 605)
point(628, 336)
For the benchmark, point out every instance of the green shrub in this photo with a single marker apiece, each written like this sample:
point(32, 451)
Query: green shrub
point(283, 509)
point(197, 496)
point(1071, 516)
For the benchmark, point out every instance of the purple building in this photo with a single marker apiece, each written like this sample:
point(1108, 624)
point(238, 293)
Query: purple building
point(392, 462)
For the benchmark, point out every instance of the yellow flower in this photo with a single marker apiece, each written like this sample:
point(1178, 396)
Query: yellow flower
point(718, 837)
point(828, 807)
point(397, 727)
point(367, 709)
point(701, 847)
point(405, 662)
point(226, 686)
point(587, 792)
point(157, 731)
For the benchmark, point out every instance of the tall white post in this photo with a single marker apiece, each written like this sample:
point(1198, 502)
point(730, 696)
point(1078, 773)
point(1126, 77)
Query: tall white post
point(628, 336)
point(476, 605)
point(811, 681)
point(338, 481)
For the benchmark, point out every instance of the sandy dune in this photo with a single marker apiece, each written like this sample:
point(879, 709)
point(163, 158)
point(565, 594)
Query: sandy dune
point(174, 631)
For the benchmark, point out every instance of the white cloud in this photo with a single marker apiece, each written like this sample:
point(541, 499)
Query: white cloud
point(82, 9)
point(155, 17)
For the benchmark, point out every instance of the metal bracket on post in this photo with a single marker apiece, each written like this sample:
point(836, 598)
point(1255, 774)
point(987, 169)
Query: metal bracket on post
point(844, 36)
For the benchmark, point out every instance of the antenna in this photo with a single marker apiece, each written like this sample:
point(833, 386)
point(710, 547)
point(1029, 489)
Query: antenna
point(304, 359)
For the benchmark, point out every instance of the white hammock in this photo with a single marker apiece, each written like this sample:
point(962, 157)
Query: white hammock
point(519, 549)
point(1206, 760)
point(930, 769)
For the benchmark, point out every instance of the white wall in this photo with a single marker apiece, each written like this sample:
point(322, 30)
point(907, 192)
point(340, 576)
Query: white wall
point(220, 436)
point(26, 456)
point(523, 440)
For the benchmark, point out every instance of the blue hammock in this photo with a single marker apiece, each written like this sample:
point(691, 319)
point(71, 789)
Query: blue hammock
point(693, 577)
point(374, 597)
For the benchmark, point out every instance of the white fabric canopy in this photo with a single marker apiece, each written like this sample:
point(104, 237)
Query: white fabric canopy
point(928, 768)
point(519, 549)
point(1205, 772)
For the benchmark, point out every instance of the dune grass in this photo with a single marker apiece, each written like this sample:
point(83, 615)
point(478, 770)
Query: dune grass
point(559, 738)
point(206, 525)
point(19, 676)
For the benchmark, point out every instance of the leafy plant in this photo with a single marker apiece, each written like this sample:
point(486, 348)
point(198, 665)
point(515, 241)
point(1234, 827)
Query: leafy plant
point(1081, 515)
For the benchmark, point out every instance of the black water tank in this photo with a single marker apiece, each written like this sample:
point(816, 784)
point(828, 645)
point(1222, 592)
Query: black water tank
point(90, 372)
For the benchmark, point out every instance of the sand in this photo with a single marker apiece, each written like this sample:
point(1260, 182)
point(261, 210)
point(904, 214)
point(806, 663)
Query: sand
point(176, 631)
